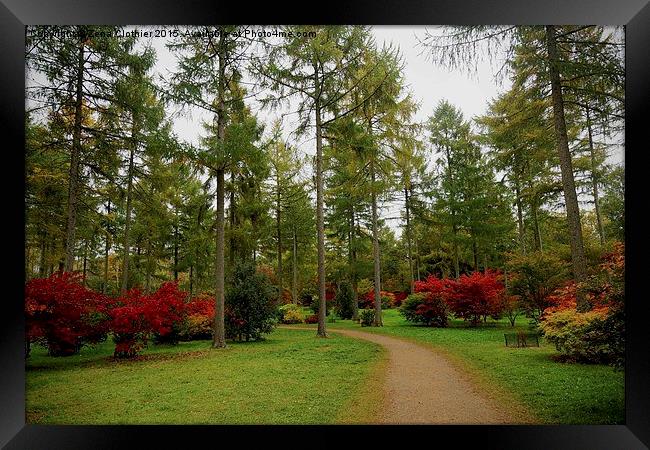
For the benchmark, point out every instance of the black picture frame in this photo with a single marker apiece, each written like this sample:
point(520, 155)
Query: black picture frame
point(16, 14)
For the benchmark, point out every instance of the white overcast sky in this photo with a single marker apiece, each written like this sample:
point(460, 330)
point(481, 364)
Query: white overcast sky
point(428, 83)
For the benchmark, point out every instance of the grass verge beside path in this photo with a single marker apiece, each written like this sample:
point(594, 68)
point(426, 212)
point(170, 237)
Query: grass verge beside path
point(549, 391)
point(290, 378)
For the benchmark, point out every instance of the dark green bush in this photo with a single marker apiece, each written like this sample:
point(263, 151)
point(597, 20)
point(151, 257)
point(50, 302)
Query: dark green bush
point(367, 317)
point(250, 309)
point(430, 310)
point(344, 300)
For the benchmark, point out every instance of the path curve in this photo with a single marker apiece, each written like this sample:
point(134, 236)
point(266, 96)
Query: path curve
point(421, 386)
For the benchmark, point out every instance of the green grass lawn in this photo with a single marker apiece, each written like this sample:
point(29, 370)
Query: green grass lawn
point(552, 392)
point(294, 377)
point(291, 377)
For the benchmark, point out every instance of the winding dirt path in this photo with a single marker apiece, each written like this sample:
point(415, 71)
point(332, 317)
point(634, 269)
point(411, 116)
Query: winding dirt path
point(421, 386)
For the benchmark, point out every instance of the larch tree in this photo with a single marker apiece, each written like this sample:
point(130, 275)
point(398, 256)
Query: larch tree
point(210, 63)
point(312, 69)
point(548, 68)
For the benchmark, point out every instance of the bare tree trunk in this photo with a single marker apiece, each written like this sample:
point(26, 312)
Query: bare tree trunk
point(278, 225)
point(191, 281)
point(520, 218)
point(107, 247)
point(233, 212)
point(566, 166)
point(456, 257)
point(475, 253)
point(538, 234)
point(127, 226)
point(294, 267)
point(375, 250)
point(42, 268)
point(85, 263)
point(594, 180)
point(320, 221)
point(353, 265)
point(219, 337)
point(408, 239)
point(147, 286)
point(176, 253)
point(75, 156)
point(417, 259)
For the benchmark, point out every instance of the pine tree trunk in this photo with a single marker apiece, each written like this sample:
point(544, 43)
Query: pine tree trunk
point(456, 256)
point(176, 253)
point(353, 265)
point(375, 250)
point(219, 337)
point(147, 286)
point(85, 263)
point(566, 166)
point(191, 281)
point(320, 221)
point(127, 226)
point(107, 247)
point(278, 227)
point(42, 267)
point(475, 253)
point(75, 157)
point(594, 180)
point(538, 234)
point(408, 239)
point(520, 218)
point(294, 264)
point(417, 260)
point(233, 212)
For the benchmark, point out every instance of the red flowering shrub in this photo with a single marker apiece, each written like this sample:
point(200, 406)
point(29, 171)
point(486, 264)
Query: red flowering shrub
point(62, 314)
point(367, 300)
point(431, 310)
point(399, 297)
point(511, 307)
point(476, 296)
point(313, 318)
point(598, 335)
point(138, 317)
point(428, 305)
point(330, 299)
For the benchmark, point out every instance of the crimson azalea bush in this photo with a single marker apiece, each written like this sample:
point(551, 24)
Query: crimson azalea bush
point(598, 335)
point(139, 317)
point(367, 300)
point(399, 297)
point(475, 297)
point(426, 309)
point(313, 318)
point(63, 315)
point(428, 305)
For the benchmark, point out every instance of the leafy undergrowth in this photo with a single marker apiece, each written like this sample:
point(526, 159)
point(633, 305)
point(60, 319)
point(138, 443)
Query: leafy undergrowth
point(553, 392)
point(290, 378)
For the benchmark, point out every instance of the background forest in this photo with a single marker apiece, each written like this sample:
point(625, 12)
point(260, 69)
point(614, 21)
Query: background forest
point(527, 191)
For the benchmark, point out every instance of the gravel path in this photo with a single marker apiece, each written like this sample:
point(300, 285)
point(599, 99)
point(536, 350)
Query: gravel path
point(423, 387)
